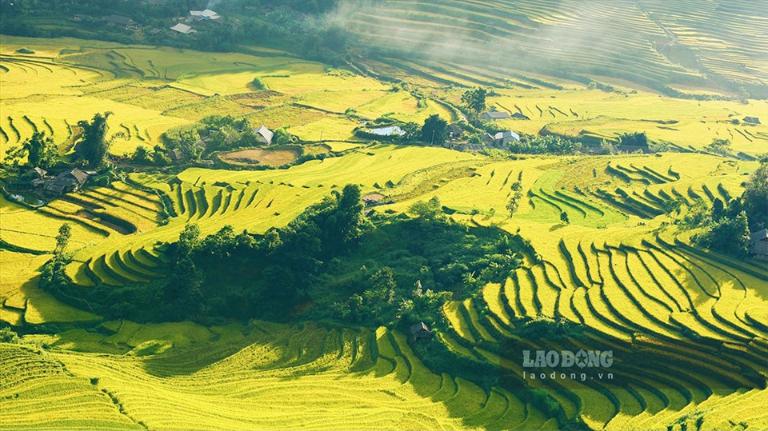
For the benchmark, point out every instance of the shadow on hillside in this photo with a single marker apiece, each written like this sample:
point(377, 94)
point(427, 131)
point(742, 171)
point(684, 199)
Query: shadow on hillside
point(258, 346)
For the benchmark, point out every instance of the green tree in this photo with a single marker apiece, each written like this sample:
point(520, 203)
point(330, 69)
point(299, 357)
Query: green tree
point(159, 157)
point(188, 239)
point(93, 145)
point(474, 99)
point(258, 84)
point(564, 218)
point(182, 292)
point(728, 236)
point(8, 336)
point(514, 200)
point(187, 141)
point(718, 209)
point(141, 155)
point(62, 239)
point(282, 137)
point(272, 240)
point(349, 217)
point(379, 297)
point(430, 210)
point(435, 130)
point(39, 151)
point(634, 141)
point(756, 198)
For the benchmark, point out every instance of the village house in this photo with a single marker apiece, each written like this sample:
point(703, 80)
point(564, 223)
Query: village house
point(494, 115)
point(420, 331)
point(752, 120)
point(387, 131)
point(40, 176)
point(454, 131)
point(758, 244)
point(121, 21)
point(264, 135)
point(183, 28)
point(503, 138)
point(204, 15)
point(66, 182)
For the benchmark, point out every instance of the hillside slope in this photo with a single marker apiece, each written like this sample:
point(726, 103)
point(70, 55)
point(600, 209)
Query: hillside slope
point(675, 47)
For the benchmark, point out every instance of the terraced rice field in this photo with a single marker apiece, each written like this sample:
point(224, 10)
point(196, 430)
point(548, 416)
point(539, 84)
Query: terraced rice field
point(621, 271)
point(642, 292)
point(648, 297)
point(646, 303)
point(595, 115)
point(658, 45)
point(366, 379)
point(151, 90)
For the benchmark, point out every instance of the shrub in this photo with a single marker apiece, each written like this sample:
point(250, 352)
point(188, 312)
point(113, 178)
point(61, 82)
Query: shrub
point(8, 336)
point(258, 84)
point(729, 236)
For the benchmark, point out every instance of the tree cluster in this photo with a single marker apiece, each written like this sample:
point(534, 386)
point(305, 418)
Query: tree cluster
point(198, 141)
point(727, 227)
point(233, 275)
point(331, 262)
point(474, 100)
point(434, 131)
point(545, 145)
point(631, 142)
point(38, 151)
point(93, 146)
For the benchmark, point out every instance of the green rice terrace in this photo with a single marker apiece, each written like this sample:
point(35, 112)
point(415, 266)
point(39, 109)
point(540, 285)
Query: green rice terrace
point(396, 215)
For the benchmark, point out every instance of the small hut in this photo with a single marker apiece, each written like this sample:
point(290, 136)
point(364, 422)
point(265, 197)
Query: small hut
point(420, 331)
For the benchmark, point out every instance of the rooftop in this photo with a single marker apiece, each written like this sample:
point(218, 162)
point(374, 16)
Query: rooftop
point(183, 28)
point(388, 131)
point(265, 133)
point(79, 176)
point(496, 115)
point(506, 135)
point(420, 327)
point(204, 14)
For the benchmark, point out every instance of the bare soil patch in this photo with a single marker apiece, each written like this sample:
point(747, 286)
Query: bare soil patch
point(259, 156)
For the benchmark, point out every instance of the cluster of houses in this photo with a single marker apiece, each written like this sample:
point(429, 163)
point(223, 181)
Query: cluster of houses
point(68, 181)
point(196, 15)
point(126, 23)
point(455, 132)
point(504, 137)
